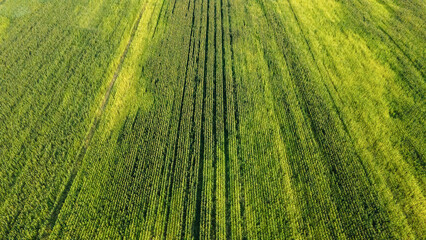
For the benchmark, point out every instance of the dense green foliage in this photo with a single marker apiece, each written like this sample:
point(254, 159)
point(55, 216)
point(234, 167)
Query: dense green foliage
point(239, 119)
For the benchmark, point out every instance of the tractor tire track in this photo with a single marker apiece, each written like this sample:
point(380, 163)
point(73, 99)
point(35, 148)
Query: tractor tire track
point(191, 165)
point(158, 20)
point(86, 142)
point(194, 131)
point(237, 121)
point(172, 172)
point(197, 222)
point(339, 114)
point(328, 148)
point(226, 134)
point(336, 108)
point(164, 157)
point(214, 130)
point(414, 63)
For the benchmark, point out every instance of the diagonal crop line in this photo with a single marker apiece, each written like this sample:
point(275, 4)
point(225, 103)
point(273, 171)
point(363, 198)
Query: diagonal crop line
point(176, 144)
point(200, 181)
point(234, 92)
point(104, 102)
point(226, 135)
point(213, 228)
point(191, 156)
point(86, 142)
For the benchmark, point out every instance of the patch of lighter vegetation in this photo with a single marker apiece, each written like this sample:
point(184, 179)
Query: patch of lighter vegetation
point(87, 13)
point(4, 24)
point(130, 91)
point(18, 8)
point(363, 85)
point(344, 57)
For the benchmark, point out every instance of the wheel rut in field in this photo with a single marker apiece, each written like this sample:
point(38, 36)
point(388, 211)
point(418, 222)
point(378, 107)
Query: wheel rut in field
point(331, 144)
point(86, 142)
point(197, 222)
point(226, 131)
point(158, 20)
point(190, 169)
point(164, 156)
point(234, 91)
point(176, 144)
point(414, 63)
point(214, 128)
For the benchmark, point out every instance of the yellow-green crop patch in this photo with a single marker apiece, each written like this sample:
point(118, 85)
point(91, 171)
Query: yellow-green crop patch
point(4, 24)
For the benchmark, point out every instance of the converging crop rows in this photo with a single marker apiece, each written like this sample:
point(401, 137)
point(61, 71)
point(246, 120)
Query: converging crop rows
point(212, 119)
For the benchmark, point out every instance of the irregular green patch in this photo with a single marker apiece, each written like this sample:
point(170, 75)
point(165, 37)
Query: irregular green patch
point(4, 24)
